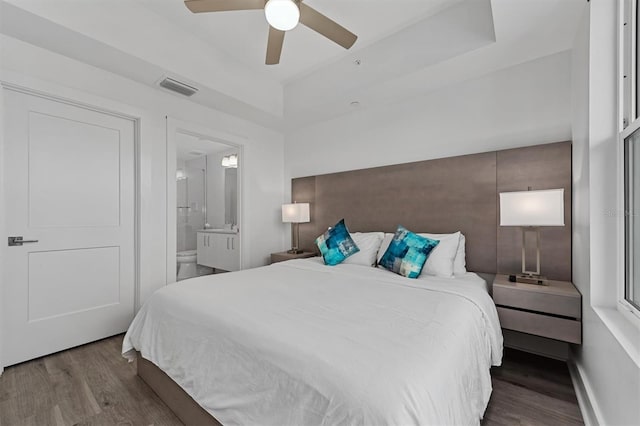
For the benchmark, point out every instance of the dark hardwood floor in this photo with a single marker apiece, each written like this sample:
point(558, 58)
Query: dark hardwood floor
point(531, 390)
point(87, 385)
point(94, 385)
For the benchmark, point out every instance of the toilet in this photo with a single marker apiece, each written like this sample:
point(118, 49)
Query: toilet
point(187, 264)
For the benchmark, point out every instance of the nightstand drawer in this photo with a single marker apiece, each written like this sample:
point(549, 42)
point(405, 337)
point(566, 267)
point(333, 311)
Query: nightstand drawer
point(556, 304)
point(541, 325)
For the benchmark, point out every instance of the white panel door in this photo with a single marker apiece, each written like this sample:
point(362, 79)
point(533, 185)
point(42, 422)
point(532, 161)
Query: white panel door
point(69, 184)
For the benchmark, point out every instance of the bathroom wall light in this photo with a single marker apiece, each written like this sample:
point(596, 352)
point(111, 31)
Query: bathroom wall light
point(180, 174)
point(230, 161)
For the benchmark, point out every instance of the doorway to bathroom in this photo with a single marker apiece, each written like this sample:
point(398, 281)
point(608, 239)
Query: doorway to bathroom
point(204, 202)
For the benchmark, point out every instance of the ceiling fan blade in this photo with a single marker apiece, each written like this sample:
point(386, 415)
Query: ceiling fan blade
point(199, 6)
point(274, 46)
point(325, 26)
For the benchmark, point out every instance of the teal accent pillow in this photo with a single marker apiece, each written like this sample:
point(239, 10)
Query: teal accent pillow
point(336, 244)
point(407, 253)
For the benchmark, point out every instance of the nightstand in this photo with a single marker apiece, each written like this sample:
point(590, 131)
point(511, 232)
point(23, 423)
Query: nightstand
point(553, 311)
point(282, 256)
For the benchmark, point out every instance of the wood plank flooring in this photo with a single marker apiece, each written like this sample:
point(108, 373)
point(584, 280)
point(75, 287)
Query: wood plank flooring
point(531, 390)
point(94, 385)
point(87, 385)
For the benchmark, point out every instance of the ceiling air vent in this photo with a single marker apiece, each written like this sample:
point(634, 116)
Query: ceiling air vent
point(177, 86)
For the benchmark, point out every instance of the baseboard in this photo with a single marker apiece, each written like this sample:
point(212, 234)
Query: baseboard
point(588, 407)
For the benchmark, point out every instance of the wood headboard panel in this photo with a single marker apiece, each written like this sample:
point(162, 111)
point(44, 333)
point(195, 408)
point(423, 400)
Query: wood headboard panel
point(447, 195)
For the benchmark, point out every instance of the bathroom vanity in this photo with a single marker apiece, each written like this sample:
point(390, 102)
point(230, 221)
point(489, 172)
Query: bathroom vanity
point(219, 249)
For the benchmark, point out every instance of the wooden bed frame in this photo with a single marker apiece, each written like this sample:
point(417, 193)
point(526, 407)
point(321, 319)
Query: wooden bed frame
point(183, 406)
point(439, 196)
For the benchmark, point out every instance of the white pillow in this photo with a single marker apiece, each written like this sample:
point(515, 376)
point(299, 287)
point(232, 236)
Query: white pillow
point(384, 245)
point(368, 243)
point(459, 261)
point(440, 260)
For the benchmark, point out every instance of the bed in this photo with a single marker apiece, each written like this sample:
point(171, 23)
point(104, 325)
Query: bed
point(301, 343)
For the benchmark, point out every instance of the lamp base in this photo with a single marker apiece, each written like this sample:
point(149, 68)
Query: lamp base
point(532, 279)
point(294, 251)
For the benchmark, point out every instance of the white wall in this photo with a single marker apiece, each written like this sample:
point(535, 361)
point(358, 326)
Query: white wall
point(610, 378)
point(39, 69)
point(523, 105)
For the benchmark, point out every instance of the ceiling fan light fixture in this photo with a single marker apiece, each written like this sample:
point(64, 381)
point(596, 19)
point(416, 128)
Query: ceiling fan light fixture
point(282, 15)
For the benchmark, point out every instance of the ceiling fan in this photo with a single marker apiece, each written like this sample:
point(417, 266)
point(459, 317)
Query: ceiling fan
point(282, 16)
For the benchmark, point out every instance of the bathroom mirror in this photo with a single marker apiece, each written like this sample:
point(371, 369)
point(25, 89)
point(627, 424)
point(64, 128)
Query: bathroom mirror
point(207, 238)
point(230, 195)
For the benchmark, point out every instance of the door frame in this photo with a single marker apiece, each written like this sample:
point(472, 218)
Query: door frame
point(174, 126)
point(49, 95)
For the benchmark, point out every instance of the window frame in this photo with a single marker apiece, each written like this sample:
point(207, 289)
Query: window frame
point(629, 123)
point(625, 299)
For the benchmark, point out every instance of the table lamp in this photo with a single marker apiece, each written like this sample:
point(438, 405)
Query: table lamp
point(530, 210)
point(296, 214)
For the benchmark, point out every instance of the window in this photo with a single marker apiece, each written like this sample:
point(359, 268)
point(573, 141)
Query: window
point(630, 138)
point(630, 78)
point(635, 83)
point(632, 218)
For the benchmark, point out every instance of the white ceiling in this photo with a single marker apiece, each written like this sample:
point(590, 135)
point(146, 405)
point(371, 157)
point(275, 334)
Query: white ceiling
point(243, 34)
point(407, 48)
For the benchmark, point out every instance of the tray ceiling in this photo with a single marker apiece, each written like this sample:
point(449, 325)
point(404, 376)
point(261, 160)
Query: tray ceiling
point(405, 48)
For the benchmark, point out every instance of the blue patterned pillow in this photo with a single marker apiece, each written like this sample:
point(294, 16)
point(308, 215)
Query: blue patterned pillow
point(336, 244)
point(407, 253)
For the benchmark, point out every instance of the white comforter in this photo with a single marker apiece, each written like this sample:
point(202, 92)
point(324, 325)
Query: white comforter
point(300, 343)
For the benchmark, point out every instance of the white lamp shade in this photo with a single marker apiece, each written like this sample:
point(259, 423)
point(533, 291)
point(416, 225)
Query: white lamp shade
point(532, 208)
point(282, 15)
point(295, 213)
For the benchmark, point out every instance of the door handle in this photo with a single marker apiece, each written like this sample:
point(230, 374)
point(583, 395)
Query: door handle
point(232, 241)
point(18, 241)
point(227, 243)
